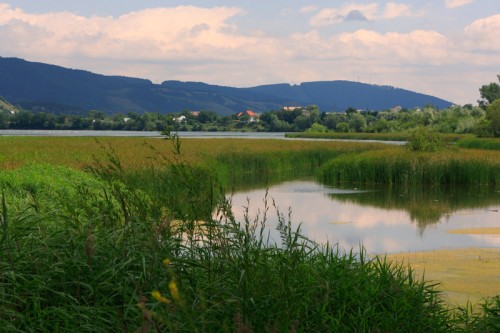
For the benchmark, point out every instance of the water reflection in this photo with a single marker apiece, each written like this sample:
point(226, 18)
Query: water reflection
point(425, 206)
point(383, 220)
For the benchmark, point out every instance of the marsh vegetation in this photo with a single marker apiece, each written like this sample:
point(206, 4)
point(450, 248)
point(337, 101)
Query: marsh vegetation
point(138, 235)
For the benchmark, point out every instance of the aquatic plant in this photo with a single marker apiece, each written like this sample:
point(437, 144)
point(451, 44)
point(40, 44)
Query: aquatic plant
point(399, 166)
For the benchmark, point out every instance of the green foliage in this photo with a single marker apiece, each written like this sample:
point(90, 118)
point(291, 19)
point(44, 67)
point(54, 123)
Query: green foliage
point(425, 139)
point(483, 129)
point(489, 93)
point(317, 128)
point(493, 115)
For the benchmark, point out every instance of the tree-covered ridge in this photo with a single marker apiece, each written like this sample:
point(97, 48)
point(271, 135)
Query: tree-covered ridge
point(49, 88)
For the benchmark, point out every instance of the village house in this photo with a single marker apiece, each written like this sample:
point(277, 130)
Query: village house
point(252, 116)
point(291, 108)
point(180, 119)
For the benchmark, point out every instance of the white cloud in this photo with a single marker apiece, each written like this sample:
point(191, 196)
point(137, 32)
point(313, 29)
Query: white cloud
point(308, 9)
point(393, 10)
point(483, 33)
point(456, 3)
point(419, 46)
point(370, 11)
point(158, 33)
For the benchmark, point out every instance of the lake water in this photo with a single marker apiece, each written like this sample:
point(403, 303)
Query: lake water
point(383, 221)
point(89, 133)
point(186, 135)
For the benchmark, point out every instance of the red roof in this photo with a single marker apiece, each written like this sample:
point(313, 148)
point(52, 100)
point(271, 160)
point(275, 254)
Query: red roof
point(248, 112)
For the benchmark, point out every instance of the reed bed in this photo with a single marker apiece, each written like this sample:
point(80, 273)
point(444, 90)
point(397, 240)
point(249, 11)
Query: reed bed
point(403, 136)
point(479, 143)
point(140, 153)
point(403, 167)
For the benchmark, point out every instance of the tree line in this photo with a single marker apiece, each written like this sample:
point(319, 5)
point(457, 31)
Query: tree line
point(482, 120)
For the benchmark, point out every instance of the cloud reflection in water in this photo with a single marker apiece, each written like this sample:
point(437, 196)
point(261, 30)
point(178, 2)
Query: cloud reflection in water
point(380, 221)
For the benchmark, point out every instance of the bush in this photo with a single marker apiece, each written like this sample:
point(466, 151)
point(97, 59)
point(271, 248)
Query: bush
point(425, 139)
point(317, 128)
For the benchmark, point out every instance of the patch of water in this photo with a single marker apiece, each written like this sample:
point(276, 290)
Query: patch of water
point(381, 222)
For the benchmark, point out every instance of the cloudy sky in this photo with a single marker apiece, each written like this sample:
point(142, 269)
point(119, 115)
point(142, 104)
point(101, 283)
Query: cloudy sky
point(446, 48)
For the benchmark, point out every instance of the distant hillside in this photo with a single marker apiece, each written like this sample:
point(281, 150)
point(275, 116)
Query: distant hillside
point(6, 106)
point(39, 86)
point(339, 95)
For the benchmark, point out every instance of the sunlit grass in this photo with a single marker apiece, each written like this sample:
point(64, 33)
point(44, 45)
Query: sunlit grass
point(138, 153)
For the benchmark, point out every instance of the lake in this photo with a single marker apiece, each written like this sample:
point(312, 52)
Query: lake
point(184, 135)
point(382, 220)
point(91, 133)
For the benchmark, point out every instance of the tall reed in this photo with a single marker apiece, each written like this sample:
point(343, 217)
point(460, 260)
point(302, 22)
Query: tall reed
point(400, 166)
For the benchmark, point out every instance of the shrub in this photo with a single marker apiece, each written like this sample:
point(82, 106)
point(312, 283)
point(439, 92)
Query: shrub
point(425, 139)
point(317, 128)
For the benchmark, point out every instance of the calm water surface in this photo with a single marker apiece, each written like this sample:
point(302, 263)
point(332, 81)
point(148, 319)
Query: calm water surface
point(208, 135)
point(187, 135)
point(382, 221)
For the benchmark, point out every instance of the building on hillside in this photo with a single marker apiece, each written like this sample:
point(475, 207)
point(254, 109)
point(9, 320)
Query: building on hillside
point(180, 119)
point(252, 116)
point(195, 113)
point(291, 108)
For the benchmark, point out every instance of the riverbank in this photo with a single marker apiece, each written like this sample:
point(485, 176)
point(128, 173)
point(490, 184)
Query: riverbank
point(469, 274)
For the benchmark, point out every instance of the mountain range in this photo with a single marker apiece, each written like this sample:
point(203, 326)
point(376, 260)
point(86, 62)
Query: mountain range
point(44, 87)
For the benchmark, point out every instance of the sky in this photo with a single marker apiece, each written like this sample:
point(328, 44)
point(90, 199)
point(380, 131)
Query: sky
point(445, 48)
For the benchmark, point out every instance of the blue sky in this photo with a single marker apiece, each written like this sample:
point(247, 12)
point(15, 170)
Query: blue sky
point(446, 48)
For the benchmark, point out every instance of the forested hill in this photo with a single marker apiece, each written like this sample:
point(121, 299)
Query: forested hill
point(38, 86)
point(339, 95)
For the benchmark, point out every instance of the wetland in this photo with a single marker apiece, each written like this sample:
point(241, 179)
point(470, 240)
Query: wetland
point(106, 231)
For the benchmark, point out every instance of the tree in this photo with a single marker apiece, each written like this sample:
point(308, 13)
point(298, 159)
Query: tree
point(357, 122)
point(493, 115)
point(489, 93)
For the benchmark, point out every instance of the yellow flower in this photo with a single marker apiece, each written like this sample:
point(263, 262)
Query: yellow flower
point(157, 296)
point(172, 286)
point(166, 261)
